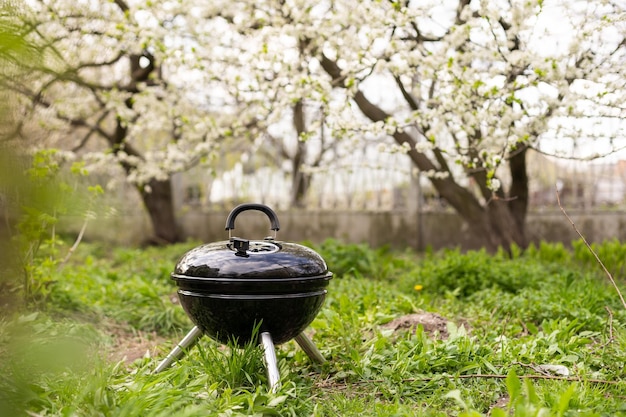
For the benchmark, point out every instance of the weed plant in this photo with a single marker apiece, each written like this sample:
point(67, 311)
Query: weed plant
point(539, 333)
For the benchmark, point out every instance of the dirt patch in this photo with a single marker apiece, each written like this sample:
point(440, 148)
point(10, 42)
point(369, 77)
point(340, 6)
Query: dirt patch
point(502, 403)
point(129, 344)
point(433, 324)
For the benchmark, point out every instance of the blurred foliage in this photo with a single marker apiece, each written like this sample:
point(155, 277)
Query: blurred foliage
point(38, 192)
point(37, 188)
point(13, 50)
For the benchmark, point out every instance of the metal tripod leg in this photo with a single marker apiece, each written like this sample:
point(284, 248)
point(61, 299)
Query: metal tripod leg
point(188, 341)
point(309, 348)
point(270, 360)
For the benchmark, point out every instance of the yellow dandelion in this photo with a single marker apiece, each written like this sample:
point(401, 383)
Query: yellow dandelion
point(418, 287)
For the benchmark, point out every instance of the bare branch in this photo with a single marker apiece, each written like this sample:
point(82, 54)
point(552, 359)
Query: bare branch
point(90, 133)
point(406, 94)
point(606, 271)
point(579, 158)
point(79, 238)
point(122, 5)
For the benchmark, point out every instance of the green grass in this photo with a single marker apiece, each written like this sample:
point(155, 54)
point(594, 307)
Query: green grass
point(61, 354)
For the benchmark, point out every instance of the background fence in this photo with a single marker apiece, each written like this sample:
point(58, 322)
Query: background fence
point(391, 183)
point(388, 203)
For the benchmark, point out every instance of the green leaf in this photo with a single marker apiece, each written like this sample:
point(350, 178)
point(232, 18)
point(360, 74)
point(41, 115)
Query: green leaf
point(277, 401)
point(456, 396)
point(532, 394)
point(565, 399)
point(95, 189)
point(470, 413)
point(513, 385)
point(28, 318)
point(489, 365)
point(498, 412)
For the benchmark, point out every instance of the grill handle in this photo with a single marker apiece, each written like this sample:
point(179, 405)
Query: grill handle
point(230, 220)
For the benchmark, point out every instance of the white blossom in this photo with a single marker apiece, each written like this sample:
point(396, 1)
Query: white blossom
point(494, 184)
point(229, 69)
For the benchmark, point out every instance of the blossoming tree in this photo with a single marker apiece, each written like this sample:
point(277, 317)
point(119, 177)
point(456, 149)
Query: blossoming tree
point(126, 85)
point(475, 85)
point(466, 88)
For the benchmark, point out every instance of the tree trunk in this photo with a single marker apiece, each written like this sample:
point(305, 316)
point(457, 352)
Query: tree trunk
point(156, 195)
point(504, 226)
point(157, 198)
point(299, 187)
point(518, 194)
point(300, 181)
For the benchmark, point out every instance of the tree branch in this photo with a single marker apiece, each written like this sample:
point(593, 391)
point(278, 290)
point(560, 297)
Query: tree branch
point(464, 202)
point(122, 5)
point(91, 131)
point(606, 271)
point(408, 97)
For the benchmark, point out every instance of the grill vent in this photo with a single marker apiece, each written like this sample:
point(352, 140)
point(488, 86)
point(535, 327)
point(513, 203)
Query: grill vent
point(261, 247)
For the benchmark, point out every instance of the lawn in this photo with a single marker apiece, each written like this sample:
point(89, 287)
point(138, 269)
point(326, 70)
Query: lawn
point(538, 333)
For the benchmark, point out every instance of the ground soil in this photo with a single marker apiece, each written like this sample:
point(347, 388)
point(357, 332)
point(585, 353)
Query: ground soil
point(434, 325)
point(128, 344)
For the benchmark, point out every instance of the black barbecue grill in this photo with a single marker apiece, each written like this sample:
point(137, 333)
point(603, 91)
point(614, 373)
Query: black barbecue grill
point(227, 288)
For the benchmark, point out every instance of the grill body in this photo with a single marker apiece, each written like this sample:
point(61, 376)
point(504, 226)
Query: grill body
point(231, 288)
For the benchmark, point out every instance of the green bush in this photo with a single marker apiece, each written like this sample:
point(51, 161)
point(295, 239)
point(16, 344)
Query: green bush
point(612, 253)
point(356, 259)
point(466, 273)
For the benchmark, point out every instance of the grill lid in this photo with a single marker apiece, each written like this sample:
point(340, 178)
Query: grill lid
point(263, 259)
point(239, 258)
